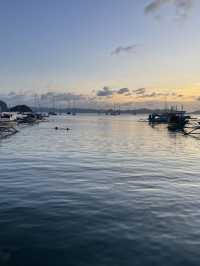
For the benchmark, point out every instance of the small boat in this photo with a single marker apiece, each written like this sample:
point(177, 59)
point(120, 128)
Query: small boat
point(27, 118)
point(113, 112)
point(7, 120)
point(52, 113)
point(161, 117)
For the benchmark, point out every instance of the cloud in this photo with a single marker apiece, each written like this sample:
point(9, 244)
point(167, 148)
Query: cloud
point(158, 94)
point(108, 92)
point(45, 99)
point(154, 5)
point(123, 91)
point(182, 6)
point(124, 49)
point(105, 92)
point(15, 98)
point(150, 95)
point(139, 91)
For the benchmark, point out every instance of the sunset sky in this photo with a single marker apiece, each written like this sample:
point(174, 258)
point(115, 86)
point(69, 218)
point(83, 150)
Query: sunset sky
point(141, 52)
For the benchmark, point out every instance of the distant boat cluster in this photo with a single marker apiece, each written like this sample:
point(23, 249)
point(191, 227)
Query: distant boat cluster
point(12, 118)
point(18, 115)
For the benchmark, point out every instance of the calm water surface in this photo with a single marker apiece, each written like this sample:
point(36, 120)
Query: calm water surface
point(112, 191)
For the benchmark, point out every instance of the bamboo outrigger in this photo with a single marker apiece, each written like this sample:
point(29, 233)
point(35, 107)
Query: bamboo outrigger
point(7, 131)
point(194, 130)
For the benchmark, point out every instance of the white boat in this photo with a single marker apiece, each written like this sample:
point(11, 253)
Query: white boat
point(8, 120)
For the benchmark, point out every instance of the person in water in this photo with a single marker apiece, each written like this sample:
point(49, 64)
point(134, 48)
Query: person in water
point(57, 128)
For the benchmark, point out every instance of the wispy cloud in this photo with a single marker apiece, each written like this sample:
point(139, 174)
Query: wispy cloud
point(124, 49)
point(123, 91)
point(139, 91)
point(150, 95)
point(154, 5)
point(158, 94)
point(182, 7)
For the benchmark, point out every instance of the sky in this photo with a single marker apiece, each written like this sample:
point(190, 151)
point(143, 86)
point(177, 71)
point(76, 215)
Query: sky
point(100, 53)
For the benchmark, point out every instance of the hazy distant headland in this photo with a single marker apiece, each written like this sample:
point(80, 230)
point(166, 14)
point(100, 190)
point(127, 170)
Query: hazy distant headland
point(91, 110)
point(137, 111)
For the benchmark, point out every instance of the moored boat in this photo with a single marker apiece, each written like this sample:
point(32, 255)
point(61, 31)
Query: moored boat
point(174, 118)
point(8, 120)
point(160, 117)
point(29, 118)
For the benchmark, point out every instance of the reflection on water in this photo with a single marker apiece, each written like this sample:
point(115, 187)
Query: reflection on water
point(112, 191)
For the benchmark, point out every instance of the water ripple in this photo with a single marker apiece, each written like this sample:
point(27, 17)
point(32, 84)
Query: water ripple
point(112, 191)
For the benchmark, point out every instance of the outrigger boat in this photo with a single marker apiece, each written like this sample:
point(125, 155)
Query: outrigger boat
point(174, 118)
